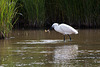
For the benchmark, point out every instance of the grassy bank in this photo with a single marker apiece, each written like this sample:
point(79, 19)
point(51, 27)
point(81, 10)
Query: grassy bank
point(7, 13)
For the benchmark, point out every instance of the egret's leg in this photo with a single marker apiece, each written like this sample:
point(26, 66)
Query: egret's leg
point(64, 37)
point(69, 37)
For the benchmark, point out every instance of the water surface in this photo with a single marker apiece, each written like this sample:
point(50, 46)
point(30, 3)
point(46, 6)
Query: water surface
point(35, 48)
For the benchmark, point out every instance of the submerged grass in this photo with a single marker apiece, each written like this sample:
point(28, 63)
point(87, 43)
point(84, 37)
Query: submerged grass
point(7, 13)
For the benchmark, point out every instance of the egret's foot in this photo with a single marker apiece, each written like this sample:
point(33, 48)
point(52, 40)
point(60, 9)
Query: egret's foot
point(64, 40)
point(70, 38)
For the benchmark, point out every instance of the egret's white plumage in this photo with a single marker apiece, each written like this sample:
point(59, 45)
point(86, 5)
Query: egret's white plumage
point(64, 29)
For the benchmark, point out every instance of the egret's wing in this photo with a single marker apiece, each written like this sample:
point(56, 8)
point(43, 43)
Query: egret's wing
point(67, 29)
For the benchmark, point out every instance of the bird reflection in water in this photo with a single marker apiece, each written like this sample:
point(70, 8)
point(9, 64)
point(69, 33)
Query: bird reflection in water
point(64, 54)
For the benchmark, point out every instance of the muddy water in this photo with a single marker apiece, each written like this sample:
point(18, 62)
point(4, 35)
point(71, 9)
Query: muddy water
point(35, 48)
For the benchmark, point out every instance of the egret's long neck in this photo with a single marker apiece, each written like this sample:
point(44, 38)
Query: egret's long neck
point(56, 27)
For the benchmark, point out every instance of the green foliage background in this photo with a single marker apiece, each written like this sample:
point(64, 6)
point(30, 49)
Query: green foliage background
point(43, 13)
point(80, 13)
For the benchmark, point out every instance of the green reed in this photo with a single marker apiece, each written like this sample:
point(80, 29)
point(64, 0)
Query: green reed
point(7, 13)
point(35, 10)
point(75, 12)
point(81, 12)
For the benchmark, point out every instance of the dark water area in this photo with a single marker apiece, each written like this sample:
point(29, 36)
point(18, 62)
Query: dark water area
point(35, 48)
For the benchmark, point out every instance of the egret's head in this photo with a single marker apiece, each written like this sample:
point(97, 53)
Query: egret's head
point(54, 25)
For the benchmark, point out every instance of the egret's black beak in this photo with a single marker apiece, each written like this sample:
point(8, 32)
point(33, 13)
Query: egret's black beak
point(51, 28)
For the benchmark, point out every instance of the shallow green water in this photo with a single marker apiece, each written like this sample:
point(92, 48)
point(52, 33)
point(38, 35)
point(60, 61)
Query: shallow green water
point(35, 48)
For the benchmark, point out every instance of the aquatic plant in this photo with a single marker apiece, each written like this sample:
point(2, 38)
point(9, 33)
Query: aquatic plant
point(7, 13)
point(75, 12)
point(35, 11)
point(79, 13)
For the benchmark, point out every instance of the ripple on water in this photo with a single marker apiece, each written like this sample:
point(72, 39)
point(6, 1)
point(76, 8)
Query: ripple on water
point(65, 53)
point(39, 41)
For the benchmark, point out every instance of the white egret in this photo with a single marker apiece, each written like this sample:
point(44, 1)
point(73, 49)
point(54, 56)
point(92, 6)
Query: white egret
point(64, 29)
